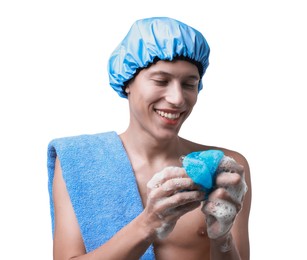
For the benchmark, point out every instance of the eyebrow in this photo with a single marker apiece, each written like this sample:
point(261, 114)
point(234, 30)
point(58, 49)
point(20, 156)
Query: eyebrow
point(163, 73)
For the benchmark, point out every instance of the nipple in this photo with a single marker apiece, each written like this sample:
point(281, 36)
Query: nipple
point(202, 231)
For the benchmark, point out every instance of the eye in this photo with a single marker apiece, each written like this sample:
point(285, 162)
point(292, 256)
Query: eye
point(160, 82)
point(190, 85)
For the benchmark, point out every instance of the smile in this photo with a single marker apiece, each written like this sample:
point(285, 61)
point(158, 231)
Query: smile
point(171, 116)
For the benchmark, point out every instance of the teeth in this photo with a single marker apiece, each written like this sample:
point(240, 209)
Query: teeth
point(168, 115)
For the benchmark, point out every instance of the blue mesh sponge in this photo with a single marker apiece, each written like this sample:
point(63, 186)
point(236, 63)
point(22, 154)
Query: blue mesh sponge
point(154, 38)
point(201, 167)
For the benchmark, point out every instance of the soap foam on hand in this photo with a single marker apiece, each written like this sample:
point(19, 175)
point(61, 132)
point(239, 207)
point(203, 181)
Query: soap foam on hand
point(202, 166)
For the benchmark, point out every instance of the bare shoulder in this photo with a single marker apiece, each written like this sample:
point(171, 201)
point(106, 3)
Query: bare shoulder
point(237, 156)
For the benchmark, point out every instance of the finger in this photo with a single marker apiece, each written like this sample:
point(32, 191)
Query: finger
point(224, 194)
point(222, 210)
point(180, 210)
point(167, 173)
point(178, 184)
point(215, 229)
point(225, 179)
point(234, 184)
point(166, 204)
point(228, 164)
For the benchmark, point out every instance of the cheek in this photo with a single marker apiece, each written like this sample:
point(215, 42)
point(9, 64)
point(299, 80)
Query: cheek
point(191, 99)
point(139, 103)
point(142, 91)
point(195, 99)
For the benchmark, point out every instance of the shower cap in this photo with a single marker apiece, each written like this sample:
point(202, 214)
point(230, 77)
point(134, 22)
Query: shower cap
point(152, 39)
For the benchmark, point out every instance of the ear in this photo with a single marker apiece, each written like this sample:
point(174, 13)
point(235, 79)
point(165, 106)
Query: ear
point(127, 90)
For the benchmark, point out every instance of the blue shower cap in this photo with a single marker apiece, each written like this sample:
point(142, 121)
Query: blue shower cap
point(156, 38)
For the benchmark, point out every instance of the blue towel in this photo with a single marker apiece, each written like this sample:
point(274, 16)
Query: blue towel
point(101, 185)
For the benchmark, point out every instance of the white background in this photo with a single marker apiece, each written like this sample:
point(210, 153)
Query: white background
point(53, 83)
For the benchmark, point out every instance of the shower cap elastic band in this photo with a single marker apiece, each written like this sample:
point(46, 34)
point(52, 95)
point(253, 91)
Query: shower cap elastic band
point(151, 39)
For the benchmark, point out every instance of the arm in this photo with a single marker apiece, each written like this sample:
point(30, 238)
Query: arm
point(240, 227)
point(133, 240)
point(164, 207)
point(229, 235)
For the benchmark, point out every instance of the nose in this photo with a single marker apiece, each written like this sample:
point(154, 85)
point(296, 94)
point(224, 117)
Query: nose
point(175, 95)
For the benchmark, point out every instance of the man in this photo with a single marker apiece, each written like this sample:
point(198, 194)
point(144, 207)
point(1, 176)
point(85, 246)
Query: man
point(127, 196)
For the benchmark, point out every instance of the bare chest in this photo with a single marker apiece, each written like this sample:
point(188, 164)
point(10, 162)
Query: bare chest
point(188, 240)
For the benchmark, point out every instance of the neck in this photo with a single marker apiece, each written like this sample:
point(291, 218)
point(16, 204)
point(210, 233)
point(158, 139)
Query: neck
point(147, 148)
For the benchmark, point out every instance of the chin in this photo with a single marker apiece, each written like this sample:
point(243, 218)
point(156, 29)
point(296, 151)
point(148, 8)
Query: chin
point(166, 134)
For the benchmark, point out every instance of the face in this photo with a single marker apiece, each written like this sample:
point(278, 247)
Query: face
point(162, 97)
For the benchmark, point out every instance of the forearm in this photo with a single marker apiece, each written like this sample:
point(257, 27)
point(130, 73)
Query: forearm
point(131, 242)
point(224, 248)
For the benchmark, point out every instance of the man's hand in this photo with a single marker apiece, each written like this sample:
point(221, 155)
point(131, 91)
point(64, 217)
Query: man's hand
point(171, 194)
point(225, 201)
